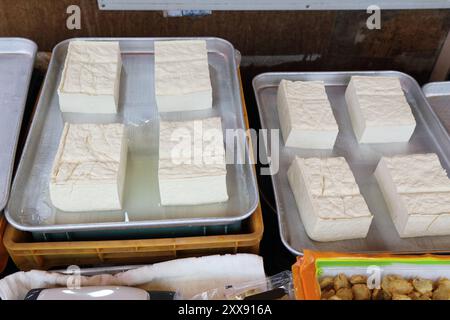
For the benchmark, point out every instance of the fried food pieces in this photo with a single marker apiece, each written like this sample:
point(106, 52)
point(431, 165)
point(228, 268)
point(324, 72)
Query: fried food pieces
point(393, 287)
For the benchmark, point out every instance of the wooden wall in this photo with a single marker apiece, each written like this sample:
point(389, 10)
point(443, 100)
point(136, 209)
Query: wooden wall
point(408, 41)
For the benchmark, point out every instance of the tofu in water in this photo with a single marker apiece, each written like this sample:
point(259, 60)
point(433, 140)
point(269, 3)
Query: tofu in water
point(328, 199)
point(305, 114)
point(192, 168)
point(182, 80)
point(90, 80)
point(89, 169)
point(378, 110)
point(417, 193)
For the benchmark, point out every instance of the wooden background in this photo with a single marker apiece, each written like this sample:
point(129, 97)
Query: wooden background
point(409, 41)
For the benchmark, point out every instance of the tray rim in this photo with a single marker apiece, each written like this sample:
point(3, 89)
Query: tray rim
point(31, 50)
point(256, 88)
point(143, 223)
point(26, 41)
point(428, 89)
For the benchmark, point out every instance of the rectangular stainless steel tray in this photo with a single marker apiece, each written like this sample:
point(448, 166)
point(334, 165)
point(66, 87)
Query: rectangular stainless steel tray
point(30, 208)
point(16, 66)
point(429, 136)
point(438, 96)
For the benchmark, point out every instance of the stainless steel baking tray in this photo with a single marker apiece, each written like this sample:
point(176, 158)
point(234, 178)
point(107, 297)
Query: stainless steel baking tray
point(438, 96)
point(429, 136)
point(30, 208)
point(16, 66)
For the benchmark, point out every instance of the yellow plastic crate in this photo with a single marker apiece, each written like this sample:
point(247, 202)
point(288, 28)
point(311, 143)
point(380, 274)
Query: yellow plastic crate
point(29, 255)
point(3, 253)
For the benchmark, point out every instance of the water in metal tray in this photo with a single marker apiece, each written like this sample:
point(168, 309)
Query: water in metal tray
point(31, 207)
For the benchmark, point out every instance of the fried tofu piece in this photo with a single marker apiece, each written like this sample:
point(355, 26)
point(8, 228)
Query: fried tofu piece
point(396, 285)
point(422, 285)
point(358, 279)
point(341, 281)
point(361, 292)
point(345, 294)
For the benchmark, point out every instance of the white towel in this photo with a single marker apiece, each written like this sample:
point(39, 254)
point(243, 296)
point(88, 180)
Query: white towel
point(187, 277)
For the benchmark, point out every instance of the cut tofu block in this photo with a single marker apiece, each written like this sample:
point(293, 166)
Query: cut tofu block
point(182, 81)
point(88, 173)
point(305, 114)
point(90, 80)
point(417, 193)
point(328, 199)
point(192, 168)
point(378, 110)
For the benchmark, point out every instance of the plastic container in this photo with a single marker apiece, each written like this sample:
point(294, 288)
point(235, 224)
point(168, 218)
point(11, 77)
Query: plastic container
point(3, 252)
point(318, 264)
point(29, 255)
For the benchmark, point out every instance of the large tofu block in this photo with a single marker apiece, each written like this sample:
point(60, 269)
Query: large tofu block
point(378, 110)
point(328, 199)
point(192, 168)
point(90, 81)
point(416, 190)
point(305, 114)
point(182, 81)
point(89, 169)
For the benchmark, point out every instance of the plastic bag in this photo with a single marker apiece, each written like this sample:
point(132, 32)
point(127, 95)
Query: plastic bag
point(277, 287)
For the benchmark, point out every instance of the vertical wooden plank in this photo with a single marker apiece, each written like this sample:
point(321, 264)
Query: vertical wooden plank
point(441, 69)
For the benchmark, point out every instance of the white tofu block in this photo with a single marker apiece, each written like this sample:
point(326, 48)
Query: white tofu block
point(378, 110)
point(416, 173)
point(182, 81)
point(305, 114)
point(328, 199)
point(416, 190)
point(192, 168)
point(376, 86)
point(89, 169)
point(90, 81)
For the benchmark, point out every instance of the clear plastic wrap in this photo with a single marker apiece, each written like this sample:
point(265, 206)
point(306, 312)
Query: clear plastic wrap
point(277, 287)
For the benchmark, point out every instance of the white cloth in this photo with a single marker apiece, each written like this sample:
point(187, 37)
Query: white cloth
point(187, 277)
